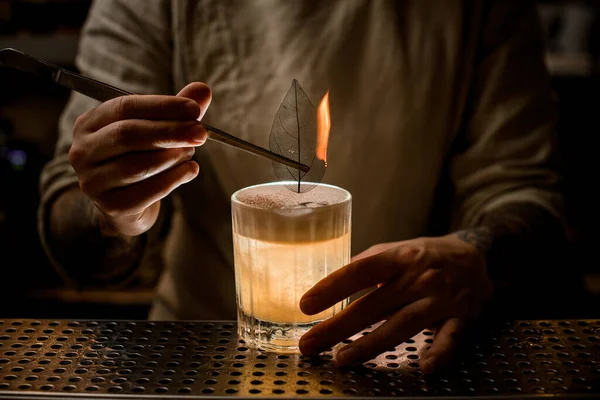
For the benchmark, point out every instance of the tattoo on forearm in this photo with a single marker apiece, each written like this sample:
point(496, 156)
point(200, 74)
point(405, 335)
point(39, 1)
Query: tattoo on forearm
point(480, 237)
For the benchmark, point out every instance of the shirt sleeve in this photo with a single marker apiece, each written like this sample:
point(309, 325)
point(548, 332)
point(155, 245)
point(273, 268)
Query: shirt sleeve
point(508, 150)
point(125, 43)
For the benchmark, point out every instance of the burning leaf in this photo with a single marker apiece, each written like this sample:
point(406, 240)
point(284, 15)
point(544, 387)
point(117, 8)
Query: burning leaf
point(294, 135)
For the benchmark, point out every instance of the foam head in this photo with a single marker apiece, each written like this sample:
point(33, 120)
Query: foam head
point(272, 212)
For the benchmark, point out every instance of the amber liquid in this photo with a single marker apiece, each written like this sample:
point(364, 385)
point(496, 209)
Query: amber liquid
point(272, 277)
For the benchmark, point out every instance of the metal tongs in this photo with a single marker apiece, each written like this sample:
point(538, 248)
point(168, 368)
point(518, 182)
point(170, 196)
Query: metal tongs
point(103, 92)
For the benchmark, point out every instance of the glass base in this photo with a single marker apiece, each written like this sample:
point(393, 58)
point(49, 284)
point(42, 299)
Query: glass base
point(271, 336)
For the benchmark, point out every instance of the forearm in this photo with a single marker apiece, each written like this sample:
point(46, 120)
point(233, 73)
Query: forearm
point(84, 252)
point(518, 240)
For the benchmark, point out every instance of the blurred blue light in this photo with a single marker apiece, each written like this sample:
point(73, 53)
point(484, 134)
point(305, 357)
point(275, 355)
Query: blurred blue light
point(17, 158)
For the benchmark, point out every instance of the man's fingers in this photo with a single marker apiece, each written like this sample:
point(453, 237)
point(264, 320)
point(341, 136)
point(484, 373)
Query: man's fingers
point(137, 135)
point(362, 274)
point(132, 168)
point(200, 93)
point(345, 324)
point(346, 281)
point(371, 251)
point(400, 327)
point(367, 310)
point(445, 341)
point(150, 107)
point(134, 199)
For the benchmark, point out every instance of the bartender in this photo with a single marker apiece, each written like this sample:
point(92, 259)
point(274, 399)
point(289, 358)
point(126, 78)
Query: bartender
point(443, 130)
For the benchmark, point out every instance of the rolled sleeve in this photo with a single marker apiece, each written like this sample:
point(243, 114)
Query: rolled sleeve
point(508, 152)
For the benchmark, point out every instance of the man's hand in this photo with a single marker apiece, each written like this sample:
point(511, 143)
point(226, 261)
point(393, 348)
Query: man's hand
point(421, 283)
point(132, 151)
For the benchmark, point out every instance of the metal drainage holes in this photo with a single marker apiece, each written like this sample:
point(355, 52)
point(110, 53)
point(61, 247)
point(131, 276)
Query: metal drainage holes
point(184, 358)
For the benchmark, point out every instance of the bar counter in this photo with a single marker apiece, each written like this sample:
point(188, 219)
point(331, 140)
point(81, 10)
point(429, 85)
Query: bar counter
point(143, 359)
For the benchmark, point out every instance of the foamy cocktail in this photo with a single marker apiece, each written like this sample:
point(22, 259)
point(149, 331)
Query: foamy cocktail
point(284, 243)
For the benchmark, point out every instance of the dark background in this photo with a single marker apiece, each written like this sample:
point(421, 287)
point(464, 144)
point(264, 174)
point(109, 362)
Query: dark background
point(29, 112)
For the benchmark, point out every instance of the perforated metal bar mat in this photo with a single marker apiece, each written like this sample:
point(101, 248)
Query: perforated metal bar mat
point(125, 359)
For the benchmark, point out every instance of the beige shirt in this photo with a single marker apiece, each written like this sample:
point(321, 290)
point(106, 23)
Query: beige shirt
point(425, 95)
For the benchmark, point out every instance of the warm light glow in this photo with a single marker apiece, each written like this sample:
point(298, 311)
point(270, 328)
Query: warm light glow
point(323, 127)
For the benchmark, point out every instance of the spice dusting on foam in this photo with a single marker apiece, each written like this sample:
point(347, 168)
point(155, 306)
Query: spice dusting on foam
point(278, 197)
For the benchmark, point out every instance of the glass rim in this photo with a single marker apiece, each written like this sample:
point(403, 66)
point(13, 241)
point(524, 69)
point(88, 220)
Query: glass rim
point(234, 197)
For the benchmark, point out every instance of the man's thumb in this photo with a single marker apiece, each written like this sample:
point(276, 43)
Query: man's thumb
point(200, 93)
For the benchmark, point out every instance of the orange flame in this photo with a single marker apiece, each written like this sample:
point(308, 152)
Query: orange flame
point(323, 128)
